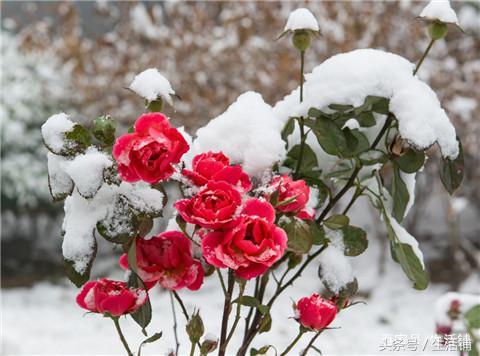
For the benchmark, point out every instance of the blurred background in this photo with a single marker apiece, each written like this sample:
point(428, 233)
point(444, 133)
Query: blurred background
point(79, 57)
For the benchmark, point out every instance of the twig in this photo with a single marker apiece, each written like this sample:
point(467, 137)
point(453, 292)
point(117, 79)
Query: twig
point(122, 338)
point(177, 343)
point(304, 352)
point(226, 312)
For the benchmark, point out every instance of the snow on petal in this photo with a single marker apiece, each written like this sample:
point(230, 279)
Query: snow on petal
point(247, 132)
point(439, 10)
point(301, 19)
point(348, 78)
point(54, 129)
point(151, 85)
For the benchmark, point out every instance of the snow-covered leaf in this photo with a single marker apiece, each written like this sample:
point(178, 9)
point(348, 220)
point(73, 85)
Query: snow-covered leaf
point(354, 240)
point(451, 172)
point(372, 157)
point(104, 129)
point(288, 129)
point(120, 224)
point(399, 194)
point(80, 278)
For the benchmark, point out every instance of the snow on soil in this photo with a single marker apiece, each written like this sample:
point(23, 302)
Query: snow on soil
point(439, 10)
point(348, 78)
point(151, 85)
point(301, 19)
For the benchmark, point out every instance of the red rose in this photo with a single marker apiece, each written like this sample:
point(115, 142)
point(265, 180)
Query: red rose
point(112, 297)
point(167, 258)
point(306, 214)
point(149, 153)
point(216, 166)
point(213, 207)
point(251, 246)
point(314, 312)
point(293, 195)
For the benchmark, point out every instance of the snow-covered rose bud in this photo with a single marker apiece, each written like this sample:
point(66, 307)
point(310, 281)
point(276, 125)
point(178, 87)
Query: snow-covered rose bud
point(303, 25)
point(110, 297)
point(314, 312)
point(150, 152)
point(439, 14)
point(209, 344)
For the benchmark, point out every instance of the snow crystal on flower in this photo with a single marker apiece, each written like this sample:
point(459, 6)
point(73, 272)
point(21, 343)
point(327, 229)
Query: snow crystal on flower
point(247, 132)
point(336, 270)
point(54, 129)
point(348, 78)
point(151, 85)
point(86, 171)
point(439, 10)
point(59, 181)
point(301, 19)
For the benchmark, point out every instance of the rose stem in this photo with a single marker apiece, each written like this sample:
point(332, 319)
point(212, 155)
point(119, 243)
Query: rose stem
point(300, 333)
point(177, 344)
point(120, 334)
point(226, 312)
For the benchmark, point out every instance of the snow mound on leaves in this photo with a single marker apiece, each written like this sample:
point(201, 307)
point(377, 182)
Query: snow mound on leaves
point(348, 78)
point(247, 132)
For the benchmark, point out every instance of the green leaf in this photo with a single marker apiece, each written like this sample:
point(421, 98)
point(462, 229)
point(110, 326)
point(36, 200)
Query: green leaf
point(354, 240)
point(411, 265)
point(451, 172)
point(261, 351)
point(340, 107)
point(300, 237)
point(309, 160)
point(79, 138)
point(472, 316)
point(314, 112)
point(366, 119)
point(361, 142)
point(265, 324)
point(76, 278)
point(330, 137)
point(143, 315)
point(288, 129)
point(377, 104)
point(154, 105)
point(399, 194)
point(104, 129)
point(336, 221)
point(264, 309)
point(317, 232)
point(411, 161)
point(149, 340)
point(372, 157)
point(247, 300)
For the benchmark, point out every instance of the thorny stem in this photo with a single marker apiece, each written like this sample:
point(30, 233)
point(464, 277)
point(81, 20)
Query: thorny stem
point(222, 282)
point(304, 352)
point(182, 306)
point(122, 338)
point(237, 314)
point(177, 344)
point(226, 312)
point(300, 334)
point(423, 56)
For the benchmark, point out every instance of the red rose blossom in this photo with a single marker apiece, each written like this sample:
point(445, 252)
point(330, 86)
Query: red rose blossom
point(213, 207)
point(251, 246)
point(149, 153)
point(293, 195)
point(167, 258)
point(314, 312)
point(112, 297)
point(213, 166)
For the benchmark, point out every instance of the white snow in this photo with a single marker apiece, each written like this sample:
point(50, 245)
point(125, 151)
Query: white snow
point(406, 238)
point(151, 85)
point(410, 181)
point(349, 77)
point(442, 305)
point(59, 181)
point(142, 197)
point(336, 269)
point(86, 171)
point(301, 19)
point(247, 132)
point(352, 124)
point(54, 129)
point(458, 204)
point(439, 10)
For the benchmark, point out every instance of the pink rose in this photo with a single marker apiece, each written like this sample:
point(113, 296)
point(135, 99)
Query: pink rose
point(216, 166)
point(112, 297)
point(314, 312)
point(213, 207)
point(167, 258)
point(149, 153)
point(251, 246)
point(293, 195)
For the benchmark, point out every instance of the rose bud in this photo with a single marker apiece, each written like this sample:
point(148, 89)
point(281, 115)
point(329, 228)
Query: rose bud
point(149, 153)
point(110, 297)
point(443, 329)
point(251, 246)
point(314, 312)
point(167, 258)
point(213, 207)
point(213, 166)
point(293, 195)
